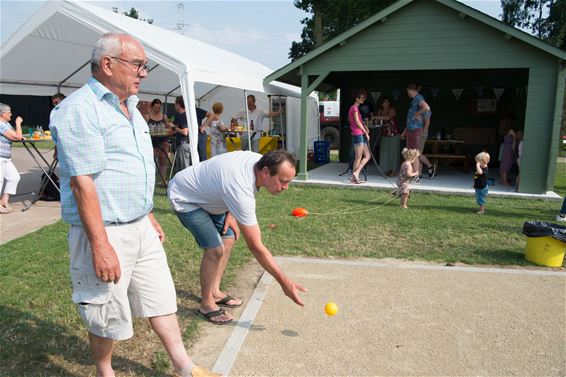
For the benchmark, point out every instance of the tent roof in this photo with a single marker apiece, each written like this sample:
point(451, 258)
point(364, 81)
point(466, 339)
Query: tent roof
point(284, 72)
point(53, 48)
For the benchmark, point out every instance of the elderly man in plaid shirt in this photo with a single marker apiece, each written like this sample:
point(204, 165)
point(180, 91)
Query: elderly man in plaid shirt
point(117, 262)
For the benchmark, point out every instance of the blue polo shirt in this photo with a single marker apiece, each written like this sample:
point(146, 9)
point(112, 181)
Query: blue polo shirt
point(94, 137)
point(413, 124)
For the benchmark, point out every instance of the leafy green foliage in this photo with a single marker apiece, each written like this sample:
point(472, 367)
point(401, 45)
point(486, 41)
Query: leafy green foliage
point(545, 19)
point(337, 16)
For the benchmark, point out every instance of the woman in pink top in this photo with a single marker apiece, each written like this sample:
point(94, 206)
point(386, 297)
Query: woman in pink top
point(360, 134)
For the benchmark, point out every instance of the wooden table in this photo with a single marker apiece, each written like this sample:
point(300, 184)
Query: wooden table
point(436, 144)
point(437, 155)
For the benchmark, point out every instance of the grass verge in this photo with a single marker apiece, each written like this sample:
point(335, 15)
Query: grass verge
point(560, 179)
point(42, 334)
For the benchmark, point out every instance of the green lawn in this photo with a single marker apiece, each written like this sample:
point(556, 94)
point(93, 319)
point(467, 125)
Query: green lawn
point(560, 179)
point(43, 336)
point(44, 145)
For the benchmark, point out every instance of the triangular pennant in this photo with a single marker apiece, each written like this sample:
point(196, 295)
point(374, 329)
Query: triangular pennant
point(376, 96)
point(396, 93)
point(498, 92)
point(457, 93)
point(435, 91)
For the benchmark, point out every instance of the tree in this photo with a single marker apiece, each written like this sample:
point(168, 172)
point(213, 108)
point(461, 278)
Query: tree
point(545, 19)
point(330, 18)
point(556, 25)
point(133, 12)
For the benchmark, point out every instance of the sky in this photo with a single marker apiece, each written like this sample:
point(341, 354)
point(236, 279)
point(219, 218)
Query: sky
point(258, 30)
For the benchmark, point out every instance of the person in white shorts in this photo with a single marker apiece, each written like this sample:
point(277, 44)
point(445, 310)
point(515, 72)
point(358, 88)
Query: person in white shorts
point(8, 171)
point(214, 200)
point(117, 263)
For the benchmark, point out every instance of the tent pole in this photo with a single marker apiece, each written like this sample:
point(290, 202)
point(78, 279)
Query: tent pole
point(207, 93)
point(247, 119)
point(167, 95)
point(172, 90)
point(152, 68)
point(190, 107)
point(71, 75)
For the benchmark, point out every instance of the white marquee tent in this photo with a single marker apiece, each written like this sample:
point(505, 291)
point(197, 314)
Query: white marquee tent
point(51, 53)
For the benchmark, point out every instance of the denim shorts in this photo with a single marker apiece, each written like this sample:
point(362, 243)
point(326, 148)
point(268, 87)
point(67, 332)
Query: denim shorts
point(205, 227)
point(481, 196)
point(359, 139)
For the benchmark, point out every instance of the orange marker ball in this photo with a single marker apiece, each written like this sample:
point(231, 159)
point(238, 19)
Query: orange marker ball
point(299, 212)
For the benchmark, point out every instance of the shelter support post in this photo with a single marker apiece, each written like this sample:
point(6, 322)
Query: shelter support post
point(306, 90)
point(283, 128)
point(303, 175)
point(556, 122)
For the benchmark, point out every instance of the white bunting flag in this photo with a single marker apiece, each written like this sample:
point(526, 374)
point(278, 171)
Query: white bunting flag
point(376, 96)
point(457, 93)
point(498, 92)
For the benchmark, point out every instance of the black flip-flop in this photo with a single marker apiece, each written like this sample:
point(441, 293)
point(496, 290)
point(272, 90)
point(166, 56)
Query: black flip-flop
point(212, 314)
point(225, 300)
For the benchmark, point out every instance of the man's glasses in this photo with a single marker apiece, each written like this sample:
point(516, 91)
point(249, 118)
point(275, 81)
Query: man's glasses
point(140, 66)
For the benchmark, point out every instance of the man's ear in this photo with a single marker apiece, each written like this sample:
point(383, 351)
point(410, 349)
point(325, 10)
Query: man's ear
point(106, 66)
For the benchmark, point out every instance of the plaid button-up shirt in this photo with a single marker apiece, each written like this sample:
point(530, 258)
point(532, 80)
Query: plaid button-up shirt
point(94, 137)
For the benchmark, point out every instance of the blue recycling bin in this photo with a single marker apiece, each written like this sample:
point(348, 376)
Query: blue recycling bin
point(321, 152)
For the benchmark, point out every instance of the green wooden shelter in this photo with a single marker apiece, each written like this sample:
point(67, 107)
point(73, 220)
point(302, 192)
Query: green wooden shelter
point(463, 57)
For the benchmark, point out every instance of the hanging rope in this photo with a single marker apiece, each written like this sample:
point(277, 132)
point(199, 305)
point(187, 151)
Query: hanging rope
point(379, 168)
point(348, 210)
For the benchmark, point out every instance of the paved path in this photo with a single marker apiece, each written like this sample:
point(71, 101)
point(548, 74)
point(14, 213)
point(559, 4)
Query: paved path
point(400, 318)
point(19, 223)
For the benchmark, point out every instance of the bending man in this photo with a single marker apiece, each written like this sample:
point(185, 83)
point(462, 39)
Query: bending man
point(215, 199)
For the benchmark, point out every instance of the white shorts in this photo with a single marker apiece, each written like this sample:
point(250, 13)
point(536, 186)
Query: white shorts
point(145, 288)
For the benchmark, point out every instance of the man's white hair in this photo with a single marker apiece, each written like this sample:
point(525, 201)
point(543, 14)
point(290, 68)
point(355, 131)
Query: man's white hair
point(4, 108)
point(109, 44)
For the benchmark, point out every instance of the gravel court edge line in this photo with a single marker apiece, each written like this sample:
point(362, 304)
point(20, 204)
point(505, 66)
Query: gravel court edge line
point(232, 347)
point(422, 266)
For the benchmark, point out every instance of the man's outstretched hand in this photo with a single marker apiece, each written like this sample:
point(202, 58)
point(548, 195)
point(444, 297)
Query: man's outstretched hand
point(291, 290)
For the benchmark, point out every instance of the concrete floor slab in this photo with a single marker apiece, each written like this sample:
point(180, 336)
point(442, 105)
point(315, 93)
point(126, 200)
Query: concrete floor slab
point(402, 318)
point(449, 180)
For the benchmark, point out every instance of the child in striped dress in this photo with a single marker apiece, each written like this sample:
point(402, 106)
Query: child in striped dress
point(406, 174)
